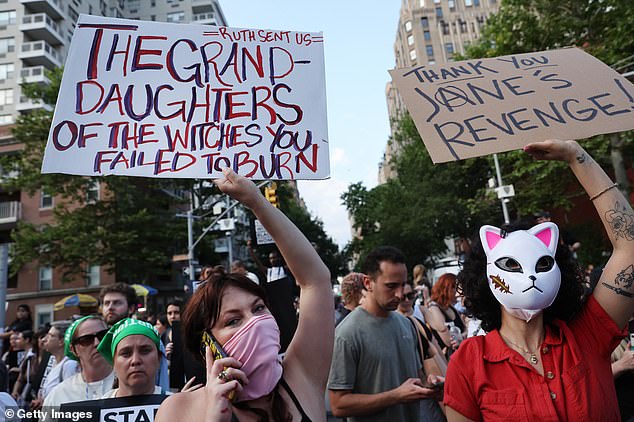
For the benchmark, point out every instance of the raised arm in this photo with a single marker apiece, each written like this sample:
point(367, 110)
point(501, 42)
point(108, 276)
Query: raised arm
point(310, 351)
point(614, 291)
point(258, 263)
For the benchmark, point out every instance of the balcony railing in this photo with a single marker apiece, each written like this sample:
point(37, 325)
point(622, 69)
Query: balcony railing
point(41, 26)
point(52, 7)
point(9, 212)
point(33, 74)
point(40, 53)
point(205, 18)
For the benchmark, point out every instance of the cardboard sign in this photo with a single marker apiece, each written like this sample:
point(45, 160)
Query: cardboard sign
point(184, 101)
point(478, 107)
point(124, 409)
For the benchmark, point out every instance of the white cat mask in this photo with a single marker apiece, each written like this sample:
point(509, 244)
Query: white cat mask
point(521, 269)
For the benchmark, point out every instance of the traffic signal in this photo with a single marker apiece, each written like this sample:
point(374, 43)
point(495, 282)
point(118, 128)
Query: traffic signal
point(270, 192)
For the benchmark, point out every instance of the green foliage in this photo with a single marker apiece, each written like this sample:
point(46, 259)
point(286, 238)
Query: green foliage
point(423, 204)
point(132, 230)
point(313, 229)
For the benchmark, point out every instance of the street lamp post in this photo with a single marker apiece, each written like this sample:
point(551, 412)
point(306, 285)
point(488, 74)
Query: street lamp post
point(498, 174)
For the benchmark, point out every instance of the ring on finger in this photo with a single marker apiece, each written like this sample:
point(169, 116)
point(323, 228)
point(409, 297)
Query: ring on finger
point(223, 376)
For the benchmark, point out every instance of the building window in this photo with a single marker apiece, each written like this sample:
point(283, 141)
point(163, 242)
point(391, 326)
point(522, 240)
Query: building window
point(463, 27)
point(476, 2)
point(445, 28)
point(43, 314)
point(6, 96)
point(46, 278)
point(93, 275)
point(468, 3)
point(452, 5)
point(408, 26)
point(92, 193)
point(449, 48)
point(153, 17)
point(427, 35)
point(429, 49)
point(410, 40)
point(176, 17)
point(421, 3)
point(6, 119)
point(46, 200)
point(6, 71)
point(412, 55)
point(7, 45)
point(7, 17)
point(439, 12)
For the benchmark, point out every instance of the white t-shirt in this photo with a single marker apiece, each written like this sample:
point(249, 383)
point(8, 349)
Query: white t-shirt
point(60, 372)
point(113, 393)
point(76, 389)
point(275, 273)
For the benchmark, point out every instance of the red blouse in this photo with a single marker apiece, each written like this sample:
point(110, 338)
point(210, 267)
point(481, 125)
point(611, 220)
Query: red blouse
point(487, 380)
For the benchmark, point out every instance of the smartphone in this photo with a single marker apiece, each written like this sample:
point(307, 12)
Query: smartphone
point(217, 351)
point(632, 342)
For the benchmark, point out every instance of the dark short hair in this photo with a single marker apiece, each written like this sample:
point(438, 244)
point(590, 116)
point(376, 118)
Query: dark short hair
point(481, 304)
point(121, 288)
point(162, 318)
point(27, 335)
point(176, 303)
point(372, 263)
point(25, 307)
point(203, 309)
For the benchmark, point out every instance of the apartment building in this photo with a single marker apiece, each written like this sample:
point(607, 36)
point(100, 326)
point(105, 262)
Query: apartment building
point(34, 36)
point(430, 32)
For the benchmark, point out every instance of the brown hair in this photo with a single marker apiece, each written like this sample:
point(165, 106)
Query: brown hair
point(122, 288)
point(351, 288)
point(202, 311)
point(443, 291)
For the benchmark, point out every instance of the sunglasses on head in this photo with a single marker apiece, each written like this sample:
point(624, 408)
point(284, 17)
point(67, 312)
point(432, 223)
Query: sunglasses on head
point(410, 296)
point(89, 339)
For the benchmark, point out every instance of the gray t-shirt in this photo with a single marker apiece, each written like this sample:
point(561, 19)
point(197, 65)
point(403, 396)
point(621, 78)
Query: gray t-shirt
point(373, 355)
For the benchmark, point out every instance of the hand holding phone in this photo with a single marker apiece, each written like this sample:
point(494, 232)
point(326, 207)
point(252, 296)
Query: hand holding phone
point(217, 352)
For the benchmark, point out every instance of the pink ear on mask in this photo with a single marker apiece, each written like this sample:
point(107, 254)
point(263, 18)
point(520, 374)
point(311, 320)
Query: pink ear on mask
point(492, 239)
point(545, 236)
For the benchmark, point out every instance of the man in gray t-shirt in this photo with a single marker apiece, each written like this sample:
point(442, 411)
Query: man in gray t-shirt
point(375, 372)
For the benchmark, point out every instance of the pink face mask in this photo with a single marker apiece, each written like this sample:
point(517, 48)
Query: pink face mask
point(256, 346)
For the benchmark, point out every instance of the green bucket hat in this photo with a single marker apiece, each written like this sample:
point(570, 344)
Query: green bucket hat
point(121, 330)
point(70, 333)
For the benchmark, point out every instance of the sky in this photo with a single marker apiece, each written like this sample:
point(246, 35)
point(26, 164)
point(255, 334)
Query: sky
point(358, 45)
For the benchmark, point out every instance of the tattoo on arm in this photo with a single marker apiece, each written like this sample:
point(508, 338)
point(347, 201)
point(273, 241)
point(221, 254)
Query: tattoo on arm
point(581, 158)
point(624, 280)
point(621, 221)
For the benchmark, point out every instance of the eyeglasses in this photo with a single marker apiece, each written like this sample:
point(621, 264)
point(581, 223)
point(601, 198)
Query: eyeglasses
point(409, 296)
point(89, 339)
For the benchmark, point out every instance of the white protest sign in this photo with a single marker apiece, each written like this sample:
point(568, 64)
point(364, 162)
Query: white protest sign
point(262, 237)
point(184, 101)
point(140, 408)
point(481, 106)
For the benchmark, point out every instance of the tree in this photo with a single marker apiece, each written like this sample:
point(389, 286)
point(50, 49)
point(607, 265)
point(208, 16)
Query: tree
point(131, 231)
point(312, 228)
point(424, 204)
point(602, 28)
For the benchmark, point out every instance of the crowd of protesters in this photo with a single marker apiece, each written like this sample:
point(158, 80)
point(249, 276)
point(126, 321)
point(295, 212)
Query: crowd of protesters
point(395, 347)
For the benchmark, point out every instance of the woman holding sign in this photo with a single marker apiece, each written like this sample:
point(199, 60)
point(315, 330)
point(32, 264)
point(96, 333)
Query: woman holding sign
point(547, 354)
point(246, 381)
